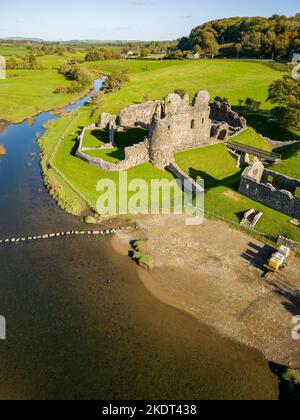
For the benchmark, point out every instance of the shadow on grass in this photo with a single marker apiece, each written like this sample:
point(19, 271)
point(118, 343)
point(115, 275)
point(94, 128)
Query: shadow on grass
point(130, 137)
point(264, 124)
point(118, 154)
point(232, 181)
point(101, 135)
point(291, 151)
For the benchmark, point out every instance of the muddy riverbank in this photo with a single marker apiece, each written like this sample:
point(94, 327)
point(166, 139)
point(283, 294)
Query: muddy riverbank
point(214, 273)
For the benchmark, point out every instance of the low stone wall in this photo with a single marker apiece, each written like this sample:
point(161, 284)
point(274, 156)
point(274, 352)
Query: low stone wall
point(180, 174)
point(134, 155)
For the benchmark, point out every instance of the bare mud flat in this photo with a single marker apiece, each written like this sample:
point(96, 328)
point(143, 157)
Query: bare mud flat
point(214, 273)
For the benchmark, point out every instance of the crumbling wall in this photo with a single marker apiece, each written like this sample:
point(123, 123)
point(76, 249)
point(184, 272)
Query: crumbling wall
point(134, 155)
point(138, 115)
point(271, 189)
point(221, 111)
point(220, 131)
point(107, 120)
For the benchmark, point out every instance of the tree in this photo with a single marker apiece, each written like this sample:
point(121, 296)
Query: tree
point(11, 64)
point(238, 47)
point(198, 49)
point(259, 36)
point(32, 61)
point(286, 93)
point(252, 105)
point(210, 45)
point(97, 98)
point(116, 80)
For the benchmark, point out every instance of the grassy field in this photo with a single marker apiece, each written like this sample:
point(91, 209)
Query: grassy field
point(290, 164)
point(25, 93)
point(58, 188)
point(122, 139)
point(251, 138)
point(12, 51)
point(233, 79)
point(95, 138)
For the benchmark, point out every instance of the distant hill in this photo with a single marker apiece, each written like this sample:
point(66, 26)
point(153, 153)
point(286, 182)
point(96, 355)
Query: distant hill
point(272, 37)
point(22, 39)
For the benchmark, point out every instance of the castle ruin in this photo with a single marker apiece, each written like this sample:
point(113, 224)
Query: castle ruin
point(173, 125)
point(271, 189)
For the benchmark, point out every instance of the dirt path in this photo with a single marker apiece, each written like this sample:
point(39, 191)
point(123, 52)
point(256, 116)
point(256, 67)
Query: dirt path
point(214, 273)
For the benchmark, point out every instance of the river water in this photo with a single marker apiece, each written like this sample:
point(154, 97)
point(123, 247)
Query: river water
point(80, 325)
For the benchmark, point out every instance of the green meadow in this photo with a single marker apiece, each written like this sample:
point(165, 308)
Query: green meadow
point(290, 164)
point(26, 92)
point(250, 137)
point(232, 79)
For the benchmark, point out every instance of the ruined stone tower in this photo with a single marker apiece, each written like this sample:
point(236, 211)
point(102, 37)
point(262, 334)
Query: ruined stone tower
point(177, 126)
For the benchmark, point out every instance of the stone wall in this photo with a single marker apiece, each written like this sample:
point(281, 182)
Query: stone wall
point(106, 120)
point(271, 189)
point(180, 174)
point(134, 155)
point(221, 111)
point(138, 115)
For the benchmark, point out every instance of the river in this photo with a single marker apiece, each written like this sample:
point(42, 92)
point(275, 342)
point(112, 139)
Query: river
point(80, 325)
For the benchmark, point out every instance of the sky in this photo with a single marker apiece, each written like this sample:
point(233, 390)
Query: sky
point(61, 20)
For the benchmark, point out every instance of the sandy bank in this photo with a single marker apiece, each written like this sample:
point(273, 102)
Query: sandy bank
point(214, 273)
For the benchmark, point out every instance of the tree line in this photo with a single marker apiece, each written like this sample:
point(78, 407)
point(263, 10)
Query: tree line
point(274, 37)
